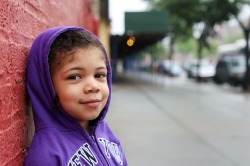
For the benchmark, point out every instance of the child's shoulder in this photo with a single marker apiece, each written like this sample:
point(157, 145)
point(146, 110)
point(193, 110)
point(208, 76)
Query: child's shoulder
point(44, 148)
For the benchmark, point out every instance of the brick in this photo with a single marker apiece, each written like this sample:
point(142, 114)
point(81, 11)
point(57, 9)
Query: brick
point(20, 22)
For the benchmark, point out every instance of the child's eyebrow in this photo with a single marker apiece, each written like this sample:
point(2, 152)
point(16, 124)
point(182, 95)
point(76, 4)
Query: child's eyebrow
point(74, 68)
point(102, 67)
point(82, 69)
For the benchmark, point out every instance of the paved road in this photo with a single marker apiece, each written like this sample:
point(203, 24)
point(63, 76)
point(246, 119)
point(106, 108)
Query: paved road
point(175, 122)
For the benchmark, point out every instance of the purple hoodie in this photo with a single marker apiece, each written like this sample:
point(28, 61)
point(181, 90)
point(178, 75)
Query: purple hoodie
point(59, 140)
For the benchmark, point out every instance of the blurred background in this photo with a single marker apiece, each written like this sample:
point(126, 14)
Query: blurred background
point(205, 40)
point(181, 81)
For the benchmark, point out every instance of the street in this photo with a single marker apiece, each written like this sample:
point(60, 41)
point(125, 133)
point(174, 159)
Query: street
point(179, 122)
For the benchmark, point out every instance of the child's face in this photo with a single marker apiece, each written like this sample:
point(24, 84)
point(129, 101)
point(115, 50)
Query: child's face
point(81, 84)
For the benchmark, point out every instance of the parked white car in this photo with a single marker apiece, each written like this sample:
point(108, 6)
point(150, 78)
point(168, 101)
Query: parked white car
point(203, 70)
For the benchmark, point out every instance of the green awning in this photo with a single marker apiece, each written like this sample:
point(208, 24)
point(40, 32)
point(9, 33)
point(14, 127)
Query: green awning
point(146, 22)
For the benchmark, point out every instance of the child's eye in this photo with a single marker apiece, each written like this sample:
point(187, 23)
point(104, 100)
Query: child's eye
point(74, 77)
point(100, 75)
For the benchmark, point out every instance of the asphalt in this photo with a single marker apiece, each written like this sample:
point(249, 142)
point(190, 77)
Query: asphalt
point(153, 137)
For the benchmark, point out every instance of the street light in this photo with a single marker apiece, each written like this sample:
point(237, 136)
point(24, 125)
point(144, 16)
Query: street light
point(131, 41)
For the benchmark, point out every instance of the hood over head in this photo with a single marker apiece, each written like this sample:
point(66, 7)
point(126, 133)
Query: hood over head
point(46, 111)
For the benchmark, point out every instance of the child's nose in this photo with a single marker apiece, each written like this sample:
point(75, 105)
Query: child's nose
point(91, 86)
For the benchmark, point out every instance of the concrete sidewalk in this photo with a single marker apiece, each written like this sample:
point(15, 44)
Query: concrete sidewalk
point(152, 137)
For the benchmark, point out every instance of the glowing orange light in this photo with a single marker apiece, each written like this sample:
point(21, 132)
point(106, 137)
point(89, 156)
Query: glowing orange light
point(131, 41)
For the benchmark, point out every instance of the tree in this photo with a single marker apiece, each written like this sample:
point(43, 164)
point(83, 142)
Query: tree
point(222, 10)
point(179, 28)
point(246, 31)
point(211, 12)
point(202, 16)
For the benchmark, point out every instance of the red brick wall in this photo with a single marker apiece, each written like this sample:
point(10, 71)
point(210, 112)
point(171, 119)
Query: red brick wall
point(20, 22)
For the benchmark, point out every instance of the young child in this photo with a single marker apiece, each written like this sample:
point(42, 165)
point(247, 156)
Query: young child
point(69, 85)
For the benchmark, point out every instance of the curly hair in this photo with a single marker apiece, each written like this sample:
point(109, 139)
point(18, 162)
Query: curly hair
point(66, 43)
